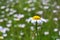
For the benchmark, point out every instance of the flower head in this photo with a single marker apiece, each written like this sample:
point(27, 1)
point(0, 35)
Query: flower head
point(37, 19)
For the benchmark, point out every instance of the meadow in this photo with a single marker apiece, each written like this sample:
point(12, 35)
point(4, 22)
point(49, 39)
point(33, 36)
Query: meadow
point(14, 15)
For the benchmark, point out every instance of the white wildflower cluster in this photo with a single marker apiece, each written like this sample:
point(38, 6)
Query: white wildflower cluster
point(29, 9)
point(45, 2)
point(3, 30)
point(40, 12)
point(7, 13)
point(31, 1)
point(12, 1)
point(12, 11)
point(17, 17)
point(46, 7)
point(31, 6)
point(21, 25)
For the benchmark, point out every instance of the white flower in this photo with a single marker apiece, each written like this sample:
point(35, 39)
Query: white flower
point(33, 8)
point(57, 39)
point(55, 11)
point(38, 27)
point(37, 19)
point(4, 35)
point(55, 19)
point(29, 9)
point(11, 0)
point(3, 7)
point(46, 33)
point(32, 37)
point(45, 2)
point(59, 32)
point(40, 12)
point(25, 9)
point(21, 33)
point(58, 7)
point(9, 21)
point(22, 25)
point(56, 29)
point(17, 17)
point(46, 7)
point(7, 9)
point(3, 30)
point(32, 28)
point(29, 2)
point(8, 25)
point(1, 20)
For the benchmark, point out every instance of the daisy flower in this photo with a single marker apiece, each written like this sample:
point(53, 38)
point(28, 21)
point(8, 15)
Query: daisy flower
point(37, 19)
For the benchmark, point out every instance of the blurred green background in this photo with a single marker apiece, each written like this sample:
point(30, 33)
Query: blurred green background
point(48, 11)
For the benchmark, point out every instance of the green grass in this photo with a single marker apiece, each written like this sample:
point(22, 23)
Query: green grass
point(47, 13)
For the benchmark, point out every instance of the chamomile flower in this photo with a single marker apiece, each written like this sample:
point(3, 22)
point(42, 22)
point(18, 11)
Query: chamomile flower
point(37, 19)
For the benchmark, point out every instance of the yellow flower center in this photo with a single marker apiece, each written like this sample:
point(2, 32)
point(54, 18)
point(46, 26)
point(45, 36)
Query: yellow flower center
point(36, 17)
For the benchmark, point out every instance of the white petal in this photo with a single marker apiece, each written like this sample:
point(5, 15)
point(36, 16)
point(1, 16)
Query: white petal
point(33, 21)
point(44, 20)
point(39, 21)
point(28, 20)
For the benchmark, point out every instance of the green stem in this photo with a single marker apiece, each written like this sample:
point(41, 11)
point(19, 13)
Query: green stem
point(36, 31)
